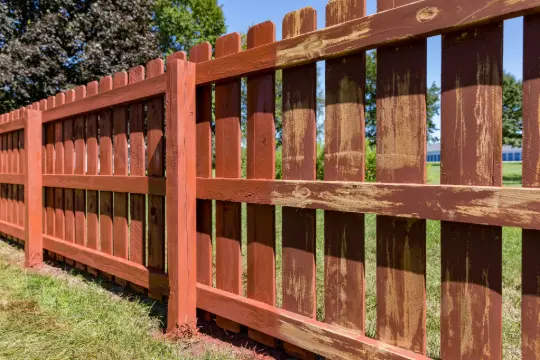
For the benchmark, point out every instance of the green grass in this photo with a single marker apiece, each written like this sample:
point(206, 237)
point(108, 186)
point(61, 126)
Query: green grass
point(511, 173)
point(61, 316)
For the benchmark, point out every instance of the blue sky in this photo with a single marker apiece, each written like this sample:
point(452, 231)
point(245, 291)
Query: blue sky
point(241, 14)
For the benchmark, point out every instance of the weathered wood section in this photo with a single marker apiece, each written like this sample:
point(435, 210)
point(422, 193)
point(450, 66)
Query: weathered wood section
point(199, 54)
point(120, 207)
point(401, 157)
point(344, 287)
point(330, 341)
point(156, 167)
point(92, 151)
point(471, 255)
point(513, 207)
point(181, 199)
point(32, 190)
point(228, 165)
point(105, 168)
point(530, 306)
point(419, 19)
point(137, 167)
point(261, 162)
point(299, 158)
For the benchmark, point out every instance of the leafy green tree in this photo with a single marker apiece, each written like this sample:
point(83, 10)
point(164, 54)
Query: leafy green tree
point(512, 111)
point(183, 24)
point(432, 102)
point(50, 46)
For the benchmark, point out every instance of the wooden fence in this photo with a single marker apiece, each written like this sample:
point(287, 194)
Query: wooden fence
point(109, 206)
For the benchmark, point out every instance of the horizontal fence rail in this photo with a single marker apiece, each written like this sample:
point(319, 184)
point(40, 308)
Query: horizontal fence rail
point(117, 193)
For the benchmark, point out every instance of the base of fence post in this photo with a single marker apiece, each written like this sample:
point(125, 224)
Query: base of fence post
point(181, 195)
point(33, 198)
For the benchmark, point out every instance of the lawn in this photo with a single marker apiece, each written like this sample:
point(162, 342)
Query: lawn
point(511, 173)
point(56, 315)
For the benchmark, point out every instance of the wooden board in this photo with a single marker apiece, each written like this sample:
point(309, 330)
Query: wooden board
point(513, 207)
point(261, 163)
point(530, 306)
point(49, 169)
point(69, 162)
point(105, 168)
point(299, 126)
point(59, 222)
point(33, 192)
point(344, 288)
point(79, 135)
point(137, 163)
point(299, 158)
point(198, 54)
point(228, 165)
point(92, 150)
point(181, 196)
point(120, 223)
point(471, 154)
point(401, 157)
point(416, 20)
point(156, 167)
point(333, 342)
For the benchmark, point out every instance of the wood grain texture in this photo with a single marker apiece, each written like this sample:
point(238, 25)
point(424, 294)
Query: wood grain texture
point(420, 19)
point(530, 306)
point(344, 289)
point(401, 157)
point(137, 164)
point(92, 209)
point(181, 196)
point(198, 54)
point(123, 95)
point(330, 341)
point(512, 207)
point(156, 167)
point(105, 168)
point(299, 87)
point(79, 135)
point(471, 255)
point(120, 208)
point(261, 162)
point(228, 165)
point(32, 191)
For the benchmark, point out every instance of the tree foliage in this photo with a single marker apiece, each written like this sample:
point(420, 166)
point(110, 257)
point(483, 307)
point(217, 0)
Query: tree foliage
point(512, 111)
point(183, 24)
point(50, 46)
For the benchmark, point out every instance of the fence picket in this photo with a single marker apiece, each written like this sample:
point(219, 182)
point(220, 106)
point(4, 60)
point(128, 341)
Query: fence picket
point(79, 200)
point(156, 167)
point(299, 158)
point(59, 215)
point(530, 307)
point(105, 168)
point(228, 165)
point(261, 163)
point(401, 157)
point(471, 154)
point(198, 54)
point(92, 210)
point(344, 300)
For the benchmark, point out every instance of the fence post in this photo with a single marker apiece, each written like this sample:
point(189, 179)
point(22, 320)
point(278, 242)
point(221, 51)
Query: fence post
point(33, 246)
point(180, 194)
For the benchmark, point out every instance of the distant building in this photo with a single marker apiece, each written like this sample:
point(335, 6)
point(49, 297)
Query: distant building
point(509, 153)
